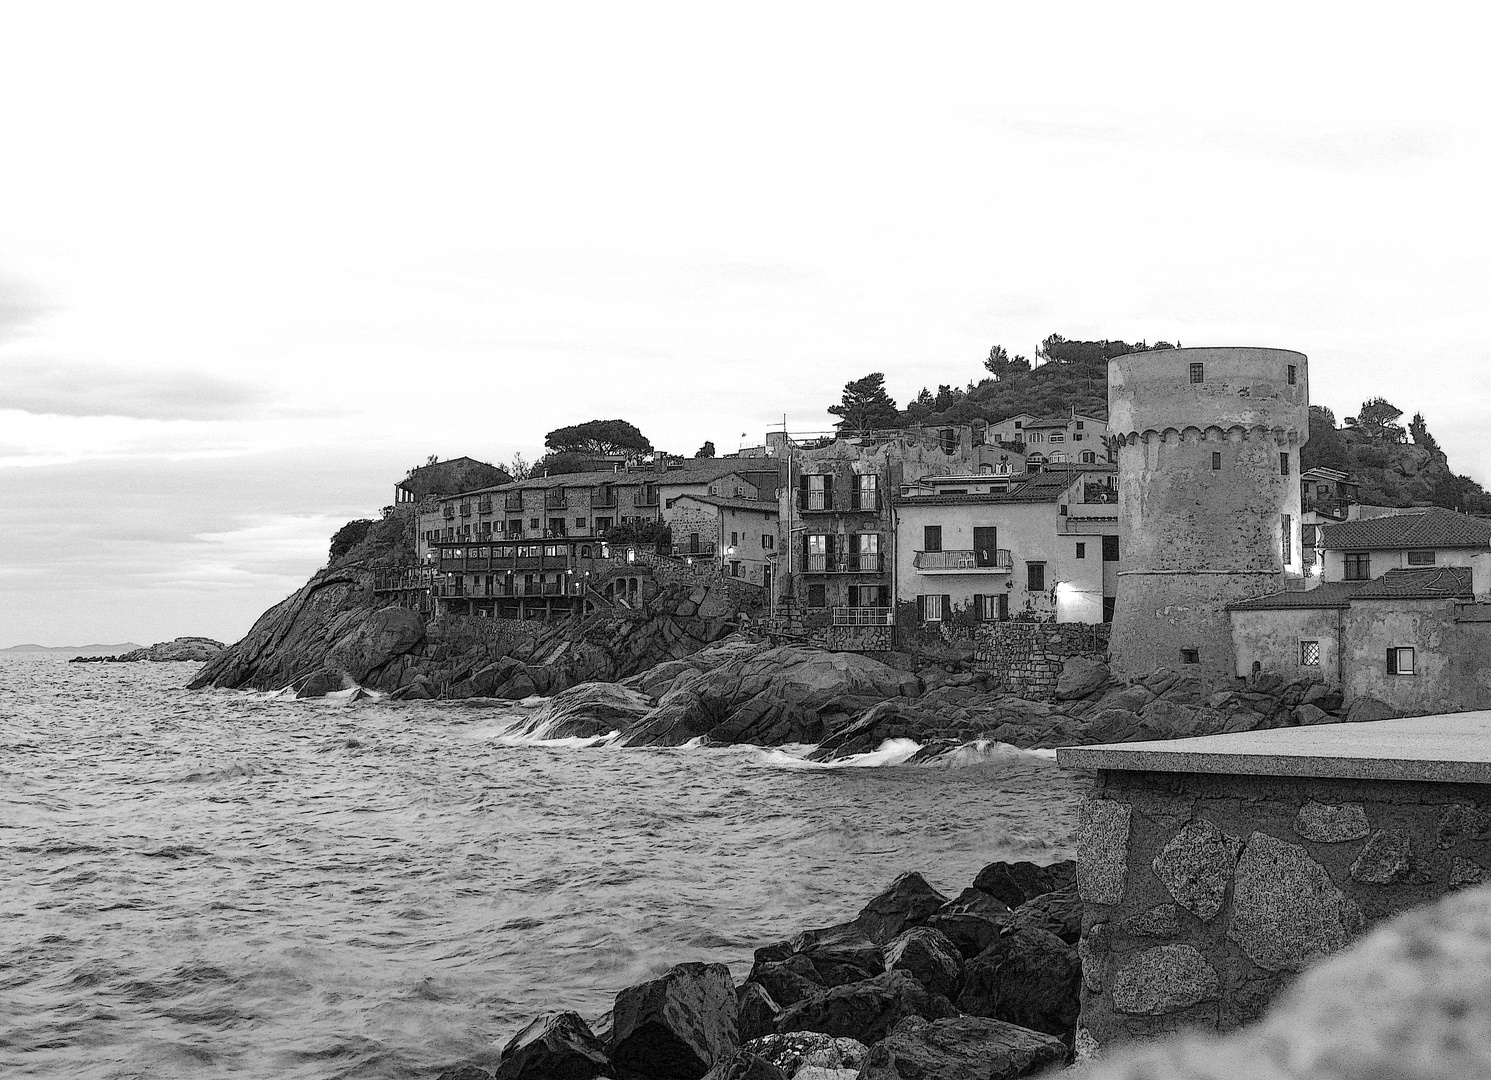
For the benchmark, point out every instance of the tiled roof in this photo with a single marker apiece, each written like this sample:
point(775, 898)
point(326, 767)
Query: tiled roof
point(1426, 583)
point(1050, 422)
point(1435, 528)
point(758, 505)
point(1333, 594)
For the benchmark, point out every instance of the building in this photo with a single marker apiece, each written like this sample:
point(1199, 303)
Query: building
point(1209, 496)
point(741, 535)
point(1409, 539)
point(447, 478)
point(1076, 439)
point(1416, 639)
point(981, 548)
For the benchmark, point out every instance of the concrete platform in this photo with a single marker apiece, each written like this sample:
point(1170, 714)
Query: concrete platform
point(1451, 748)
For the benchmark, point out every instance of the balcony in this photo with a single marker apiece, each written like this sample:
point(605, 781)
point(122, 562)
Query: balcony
point(963, 562)
point(1327, 507)
point(554, 499)
point(447, 511)
point(704, 549)
point(863, 562)
point(863, 616)
point(815, 501)
point(484, 505)
point(465, 509)
point(603, 498)
point(513, 501)
point(648, 497)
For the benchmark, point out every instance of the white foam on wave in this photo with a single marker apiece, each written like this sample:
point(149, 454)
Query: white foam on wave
point(987, 752)
point(890, 752)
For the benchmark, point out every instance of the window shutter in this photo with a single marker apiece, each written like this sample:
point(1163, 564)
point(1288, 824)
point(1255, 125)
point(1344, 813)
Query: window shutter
point(854, 543)
point(921, 608)
point(947, 606)
point(1392, 661)
point(883, 595)
point(828, 493)
point(854, 494)
point(806, 550)
point(803, 489)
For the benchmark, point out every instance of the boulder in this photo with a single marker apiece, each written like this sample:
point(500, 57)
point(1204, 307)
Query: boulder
point(1027, 977)
point(1013, 883)
point(1058, 913)
point(969, 933)
point(319, 684)
point(961, 1048)
point(1367, 709)
point(558, 1046)
point(798, 1050)
point(677, 1026)
point(907, 902)
point(755, 1011)
point(930, 958)
point(374, 641)
point(839, 954)
point(788, 981)
point(865, 1010)
point(744, 1065)
point(1322, 696)
point(464, 1072)
point(975, 901)
point(593, 708)
point(1305, 715)
point(1080, 677)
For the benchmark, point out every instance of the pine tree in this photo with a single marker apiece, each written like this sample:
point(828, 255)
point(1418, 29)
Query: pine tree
point(866, 406)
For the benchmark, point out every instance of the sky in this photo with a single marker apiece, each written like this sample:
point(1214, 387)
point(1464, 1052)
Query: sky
point(257, 260)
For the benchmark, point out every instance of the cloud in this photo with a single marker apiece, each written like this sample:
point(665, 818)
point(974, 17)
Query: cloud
point(21, 304)
point(85, 389)
point(1373, 148)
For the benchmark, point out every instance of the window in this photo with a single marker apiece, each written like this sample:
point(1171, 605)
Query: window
point(1037, 437)
point(1421, 558)
point(735, 569)
point(602, 525)
point(1089, 458)
point(1400, 661)
point(1190, 656)
point(1057, 436)
point(1287, 533)
point(1358, 566)
point(1284, 463)
point(1079, 425)
point(1110, 549)
point(1081, 550)
point(817, 552)
point(1035, 577)
point(817, 596)
point(1309, 653)
point(1108, 605)
point(734, 539)
point(819, 493)
point(991, 608)
point(1077, 437)
point(1292, 374)
point(533, 523)
point(768, 541)
point(580, 524)
point(1198, 374)
point(866, 493)
point(931, 537)
point(1018, 423)
point(1216, 460)
point(931, 608)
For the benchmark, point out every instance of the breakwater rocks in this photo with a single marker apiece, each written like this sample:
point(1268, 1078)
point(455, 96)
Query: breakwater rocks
point(981, 986)
point(742, 690)
point(194, 650)
point(332, 633)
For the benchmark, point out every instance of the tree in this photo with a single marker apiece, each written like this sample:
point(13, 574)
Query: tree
point(947, 397)
point(1376, 420)
point(349, 536)
point(1326, 449)
point(866, 405)
point(518, 468)
point(707, 450)
point(1421, 436)
point(1001, 366)
point(564, 461)
point(598, 437)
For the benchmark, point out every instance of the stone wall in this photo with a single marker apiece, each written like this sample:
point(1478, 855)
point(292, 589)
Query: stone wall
point(1027, 657)
point(1204, 895)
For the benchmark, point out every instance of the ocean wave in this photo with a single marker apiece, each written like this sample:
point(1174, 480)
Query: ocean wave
point(890, 752)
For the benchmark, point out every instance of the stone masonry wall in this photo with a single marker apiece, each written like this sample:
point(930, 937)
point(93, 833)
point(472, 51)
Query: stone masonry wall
point(1204, 895)
point(1027, 656)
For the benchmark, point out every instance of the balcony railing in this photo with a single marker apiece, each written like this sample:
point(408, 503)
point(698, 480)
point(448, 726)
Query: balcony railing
point(705, 548)
point(465, 509)
point(603, 498)
point(864, 616)
point(448, 511)
point(484, 505)
point(554, 499)
point(816, 500)
point(998, 561)
point(647, 498)
point(513, 501)
point(862, 562)
point(1334, 508)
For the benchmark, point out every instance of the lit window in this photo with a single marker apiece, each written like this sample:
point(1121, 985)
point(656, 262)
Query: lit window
point(1309, 653)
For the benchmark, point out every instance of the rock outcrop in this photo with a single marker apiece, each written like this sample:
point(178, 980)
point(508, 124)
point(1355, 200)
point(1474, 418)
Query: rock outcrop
point(190, 650)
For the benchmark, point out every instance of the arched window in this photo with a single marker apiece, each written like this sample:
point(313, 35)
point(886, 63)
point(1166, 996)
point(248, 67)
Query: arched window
point(1089, 458)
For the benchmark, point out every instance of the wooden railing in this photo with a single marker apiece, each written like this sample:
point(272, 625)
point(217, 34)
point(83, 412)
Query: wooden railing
point(962, 559)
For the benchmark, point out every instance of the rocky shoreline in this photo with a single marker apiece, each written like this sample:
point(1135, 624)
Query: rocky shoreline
point(983, 985)
point(191, 650)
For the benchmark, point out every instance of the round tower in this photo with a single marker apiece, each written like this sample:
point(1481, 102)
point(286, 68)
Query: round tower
point(1208, 496)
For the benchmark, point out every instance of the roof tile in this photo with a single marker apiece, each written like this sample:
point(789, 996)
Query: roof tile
point(1434, 528)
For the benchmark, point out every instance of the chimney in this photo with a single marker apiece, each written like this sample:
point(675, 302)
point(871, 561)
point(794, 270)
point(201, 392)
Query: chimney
point(1480, 577)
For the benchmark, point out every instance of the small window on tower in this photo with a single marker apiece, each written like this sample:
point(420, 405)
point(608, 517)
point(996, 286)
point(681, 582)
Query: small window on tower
point(1216, 460)
point(1190, 656)
point(1198, 373)
point(1309, 653)
point(1292, 375)
point(1284, 463)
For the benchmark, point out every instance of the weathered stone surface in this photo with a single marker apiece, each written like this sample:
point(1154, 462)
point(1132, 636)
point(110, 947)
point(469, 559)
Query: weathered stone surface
point(675, 1026)
point(907, 902)
point(961, 1048)
point(839, 954)
point(1327, 824)
point(788, 981)
point(464, 1072)
point(1459, 822)
point(744, 1065)
point(797, 1050)
point(1102, 850)
point(1194, 866)
point(1164, 979)
point(1466, 872)
point(929, 958)
point(1162, 920)
point(1387, 859)
point(1058, 913)
point(970, 933)
point(1367, 709)
point(1080, 677)
point(865, 1010)
point(755, 1011)
point(1286, 910)
point(1307, 715)
point(1092, 951)
point(558, 1046)
point(1013, 883)
point(592, 708)
point(1027, 977)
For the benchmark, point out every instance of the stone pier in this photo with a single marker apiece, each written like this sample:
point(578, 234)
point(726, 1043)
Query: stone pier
point(1213, 870)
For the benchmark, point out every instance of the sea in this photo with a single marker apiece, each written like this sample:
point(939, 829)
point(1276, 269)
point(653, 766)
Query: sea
point(229, 883)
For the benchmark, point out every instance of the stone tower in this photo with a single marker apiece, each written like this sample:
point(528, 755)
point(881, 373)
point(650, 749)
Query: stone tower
point(1208, 497)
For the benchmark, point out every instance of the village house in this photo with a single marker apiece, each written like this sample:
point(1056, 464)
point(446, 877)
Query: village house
point(1407, 539)
point(979, 548)
point(447, 478)
point(1076, 439)
point(741, 535)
